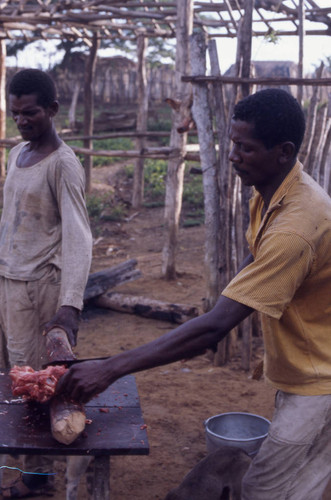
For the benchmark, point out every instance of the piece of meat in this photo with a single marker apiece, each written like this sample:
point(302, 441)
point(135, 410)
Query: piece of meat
point(35, 385)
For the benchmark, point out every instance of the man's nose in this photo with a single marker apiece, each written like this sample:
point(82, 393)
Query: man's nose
point(20, 119)
point(233, 155)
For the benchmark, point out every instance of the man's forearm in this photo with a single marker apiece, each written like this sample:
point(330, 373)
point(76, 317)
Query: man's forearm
point(186, 341)
point(85, 380)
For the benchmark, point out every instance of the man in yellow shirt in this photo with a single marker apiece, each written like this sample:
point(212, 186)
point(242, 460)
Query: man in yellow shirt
point(287, 278)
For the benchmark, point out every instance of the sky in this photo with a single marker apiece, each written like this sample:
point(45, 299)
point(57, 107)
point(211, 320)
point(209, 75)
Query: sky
point(43, 54)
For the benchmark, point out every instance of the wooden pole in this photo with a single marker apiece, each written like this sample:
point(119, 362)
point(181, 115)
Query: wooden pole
point(311, 123)
point(176, 166)
point(203, 118)
point(138, 178)
point(89, 108)
point(246, 46)
point(226, 186)
point(242, 217)
point(314, 165)
point(73, 105)
point(326, 152)
point(301, 17)
point(2, 105)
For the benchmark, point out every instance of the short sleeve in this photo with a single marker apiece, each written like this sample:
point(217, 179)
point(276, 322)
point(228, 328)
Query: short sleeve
point(268, 284)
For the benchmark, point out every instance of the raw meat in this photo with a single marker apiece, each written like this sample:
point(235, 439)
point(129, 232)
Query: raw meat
point(35, 385)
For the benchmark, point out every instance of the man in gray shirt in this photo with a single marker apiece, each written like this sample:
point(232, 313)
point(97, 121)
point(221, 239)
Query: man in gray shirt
point(45, 241)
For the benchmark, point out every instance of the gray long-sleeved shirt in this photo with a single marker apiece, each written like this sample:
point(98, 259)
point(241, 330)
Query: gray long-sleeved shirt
point(44, 222)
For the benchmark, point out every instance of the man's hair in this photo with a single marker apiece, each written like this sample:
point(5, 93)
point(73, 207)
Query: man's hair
point(33, 81)
point(276, 115)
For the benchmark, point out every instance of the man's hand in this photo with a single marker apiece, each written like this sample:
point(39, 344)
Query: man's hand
point(67, 318)
point(84, 380)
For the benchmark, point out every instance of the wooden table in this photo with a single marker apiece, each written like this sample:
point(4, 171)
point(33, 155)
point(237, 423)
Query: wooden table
point(117, 428)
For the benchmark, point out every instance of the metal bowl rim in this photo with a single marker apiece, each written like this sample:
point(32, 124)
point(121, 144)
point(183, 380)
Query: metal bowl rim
point(261, 436)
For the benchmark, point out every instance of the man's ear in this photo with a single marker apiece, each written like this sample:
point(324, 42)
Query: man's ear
point(54, 108)
point(287, 152)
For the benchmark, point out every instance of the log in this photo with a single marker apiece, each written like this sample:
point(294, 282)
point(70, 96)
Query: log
point(101, 281)
point(148, 308)
point(67, 418)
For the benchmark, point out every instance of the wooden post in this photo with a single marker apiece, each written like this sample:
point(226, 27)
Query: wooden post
point(89, 107)
point(246, 45)
point(311, 123)
point(301, 16)
point(73, 105)
point(317, 144)
point(2, 105)
point(176, 166)
point(244, 329)
point(326, 165)
point(203, 118)
point(225, 182)
point(138, 178)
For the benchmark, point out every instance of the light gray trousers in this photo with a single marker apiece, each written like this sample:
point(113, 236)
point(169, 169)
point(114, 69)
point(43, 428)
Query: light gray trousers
point(25, 308)
point(294, 461)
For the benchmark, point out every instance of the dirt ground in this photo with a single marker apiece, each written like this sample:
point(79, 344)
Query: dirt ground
point(175, 399)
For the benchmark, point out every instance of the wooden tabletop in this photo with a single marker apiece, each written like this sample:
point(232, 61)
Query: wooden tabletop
point(117, 426)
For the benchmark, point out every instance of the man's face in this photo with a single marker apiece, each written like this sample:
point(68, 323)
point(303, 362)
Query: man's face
point(252, 162)
point(32, 120)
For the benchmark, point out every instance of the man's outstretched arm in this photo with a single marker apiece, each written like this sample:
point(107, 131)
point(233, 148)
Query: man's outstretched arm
point(84, 380)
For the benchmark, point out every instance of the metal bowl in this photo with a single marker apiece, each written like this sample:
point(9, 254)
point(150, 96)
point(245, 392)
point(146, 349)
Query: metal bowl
point(241, 430)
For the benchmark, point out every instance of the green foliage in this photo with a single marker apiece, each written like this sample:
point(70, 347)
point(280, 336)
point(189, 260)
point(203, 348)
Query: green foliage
point(11, 128)
point(129, 170)
point(115, 213)
point(154, 179)
point(160, 50)
point(272, 36)
point(103, 208)
point(193, 191)
point(112, 144)
point(95, 205)
point(193, 199)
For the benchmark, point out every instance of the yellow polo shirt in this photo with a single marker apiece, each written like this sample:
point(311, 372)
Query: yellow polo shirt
point(289, 282)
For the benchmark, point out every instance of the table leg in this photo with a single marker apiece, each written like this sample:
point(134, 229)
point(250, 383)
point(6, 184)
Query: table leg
point(98, 477)
point(3, 460)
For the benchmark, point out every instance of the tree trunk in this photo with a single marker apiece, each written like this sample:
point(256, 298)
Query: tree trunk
point(325, 164)
point(101, 281)
point(176, 166)
point(203, 118)
point(301, 16)
point(138, 178)
point(148, 308)
point(227, 212)
point(2, 105)
point(73, 106)
point(89, 108)
point(317, 144)
point(311, 123)
point(246, 45)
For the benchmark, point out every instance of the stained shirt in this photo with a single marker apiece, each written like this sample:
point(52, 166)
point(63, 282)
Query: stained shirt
point(289, 282)
point(45, 223)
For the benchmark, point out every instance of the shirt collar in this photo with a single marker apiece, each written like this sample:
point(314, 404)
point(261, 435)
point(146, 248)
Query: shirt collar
point(280, 193)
